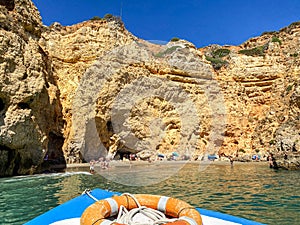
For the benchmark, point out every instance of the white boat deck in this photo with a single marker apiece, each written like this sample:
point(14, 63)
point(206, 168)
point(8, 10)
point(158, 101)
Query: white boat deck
point(205, 219)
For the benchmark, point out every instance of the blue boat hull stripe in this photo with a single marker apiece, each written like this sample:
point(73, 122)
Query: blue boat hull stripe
point(113, 205)
point(212, 220)
point(162, 203)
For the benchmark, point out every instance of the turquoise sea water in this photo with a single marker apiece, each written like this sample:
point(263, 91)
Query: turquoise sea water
point(252, 191)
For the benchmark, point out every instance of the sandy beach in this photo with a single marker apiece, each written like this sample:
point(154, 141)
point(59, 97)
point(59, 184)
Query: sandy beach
point(164, 162)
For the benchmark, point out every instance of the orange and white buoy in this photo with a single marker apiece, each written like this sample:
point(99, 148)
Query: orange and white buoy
point(181, 212)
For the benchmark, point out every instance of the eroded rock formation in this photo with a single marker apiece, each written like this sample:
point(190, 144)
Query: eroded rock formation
point(30, 110)
point(94, 90)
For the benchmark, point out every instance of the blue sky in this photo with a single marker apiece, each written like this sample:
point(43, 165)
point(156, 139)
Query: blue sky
point(203, 22)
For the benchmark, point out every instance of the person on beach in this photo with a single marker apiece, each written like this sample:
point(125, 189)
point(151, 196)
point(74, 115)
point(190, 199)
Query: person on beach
point(229, 157)
point(231, 160)
point(92, 168)
point(101, 162)
point(272, 161)
point(105, 164)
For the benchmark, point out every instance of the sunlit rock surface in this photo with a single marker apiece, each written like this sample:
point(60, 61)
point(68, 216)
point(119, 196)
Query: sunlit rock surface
point(94, 90)
point(30, 110)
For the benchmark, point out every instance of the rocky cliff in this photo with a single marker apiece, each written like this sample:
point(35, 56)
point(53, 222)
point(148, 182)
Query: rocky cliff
point(30, 109)
point(260, 80)
point(94, 90)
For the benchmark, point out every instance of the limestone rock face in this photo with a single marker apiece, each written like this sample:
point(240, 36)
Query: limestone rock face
point(287, 136)
point(260, 84)
point(73, 49)
point(30, 112)
point(135, 100)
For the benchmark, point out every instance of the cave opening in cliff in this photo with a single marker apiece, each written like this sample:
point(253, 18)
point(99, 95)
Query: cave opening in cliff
point(109, 126)
point(55, 144)
point(2, 105)
point(23, 105)
point(10, 161)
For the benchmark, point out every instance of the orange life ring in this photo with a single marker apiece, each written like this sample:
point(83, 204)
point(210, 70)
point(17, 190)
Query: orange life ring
point(97, 213)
